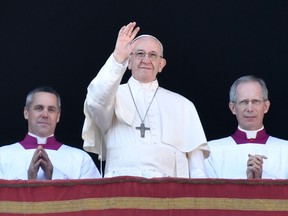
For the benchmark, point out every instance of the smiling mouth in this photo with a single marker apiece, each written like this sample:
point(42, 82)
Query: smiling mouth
point(145, 68)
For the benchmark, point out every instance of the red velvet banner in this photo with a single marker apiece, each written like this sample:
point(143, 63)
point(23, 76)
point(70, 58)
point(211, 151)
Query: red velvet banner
point(138, 196)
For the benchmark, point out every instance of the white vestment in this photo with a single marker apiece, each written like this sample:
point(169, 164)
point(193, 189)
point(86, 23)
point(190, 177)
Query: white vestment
point(175, 131)
point(68, 163)
point(228, 159)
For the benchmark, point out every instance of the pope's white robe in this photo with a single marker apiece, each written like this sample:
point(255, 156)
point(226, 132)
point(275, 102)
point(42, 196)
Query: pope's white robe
point(228, 159)
point(110, 130)
point(68, 163)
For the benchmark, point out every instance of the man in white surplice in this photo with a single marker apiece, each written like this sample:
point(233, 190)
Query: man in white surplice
point(139, 128)
point(40, 156)
point(250, 152)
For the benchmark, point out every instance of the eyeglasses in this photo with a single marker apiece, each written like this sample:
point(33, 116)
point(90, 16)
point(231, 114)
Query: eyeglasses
point(245, 103)
point(151, 55)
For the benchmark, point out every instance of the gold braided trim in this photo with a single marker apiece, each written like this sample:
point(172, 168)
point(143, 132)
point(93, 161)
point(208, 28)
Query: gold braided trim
point(143, 203)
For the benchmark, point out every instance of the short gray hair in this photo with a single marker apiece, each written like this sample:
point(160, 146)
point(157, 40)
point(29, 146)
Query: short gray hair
point(29, 98)
point(245, 79)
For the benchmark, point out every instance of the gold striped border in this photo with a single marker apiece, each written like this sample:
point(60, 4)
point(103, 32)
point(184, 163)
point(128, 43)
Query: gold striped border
point(143, 203)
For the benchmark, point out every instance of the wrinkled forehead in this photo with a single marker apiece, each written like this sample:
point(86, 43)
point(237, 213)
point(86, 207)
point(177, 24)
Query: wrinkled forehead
point(249, 89)
point(44, 98)
point(149, 36)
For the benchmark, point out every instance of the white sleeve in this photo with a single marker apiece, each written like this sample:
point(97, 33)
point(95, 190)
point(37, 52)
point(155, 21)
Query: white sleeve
point(57, 174)
point(196, 164)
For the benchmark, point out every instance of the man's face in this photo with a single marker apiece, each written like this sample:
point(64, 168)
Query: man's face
point(146, 62)
point(250, 106)
point(43, 114)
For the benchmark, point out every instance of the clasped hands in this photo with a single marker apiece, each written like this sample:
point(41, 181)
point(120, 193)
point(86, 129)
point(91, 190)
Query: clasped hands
point(41, 160)
point(255, 166)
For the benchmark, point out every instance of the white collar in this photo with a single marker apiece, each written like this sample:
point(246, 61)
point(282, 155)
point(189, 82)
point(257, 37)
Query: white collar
point(40, 140)
point(135, 84)
point(251, 134)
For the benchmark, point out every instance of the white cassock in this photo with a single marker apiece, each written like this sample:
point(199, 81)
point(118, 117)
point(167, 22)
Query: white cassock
point(228, 159)
point(175, 131)
point(68, 163)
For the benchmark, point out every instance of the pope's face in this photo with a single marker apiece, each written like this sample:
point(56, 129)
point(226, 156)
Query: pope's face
point(146, 62)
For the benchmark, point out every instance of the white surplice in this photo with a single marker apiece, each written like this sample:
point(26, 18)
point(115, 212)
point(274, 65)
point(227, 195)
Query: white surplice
point(228, 159)
point(68, 163)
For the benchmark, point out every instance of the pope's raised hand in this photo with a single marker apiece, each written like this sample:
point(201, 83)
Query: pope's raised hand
point(123, 47)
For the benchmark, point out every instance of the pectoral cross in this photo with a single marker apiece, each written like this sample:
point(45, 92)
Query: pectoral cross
point(142, 129)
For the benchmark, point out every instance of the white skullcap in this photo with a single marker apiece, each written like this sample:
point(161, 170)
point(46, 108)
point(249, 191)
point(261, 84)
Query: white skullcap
point(147, 35)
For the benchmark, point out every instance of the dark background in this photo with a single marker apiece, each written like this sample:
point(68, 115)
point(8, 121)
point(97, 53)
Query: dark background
point(207, 44)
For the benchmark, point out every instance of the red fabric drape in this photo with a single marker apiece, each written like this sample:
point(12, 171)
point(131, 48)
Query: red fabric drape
point(138, 196)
